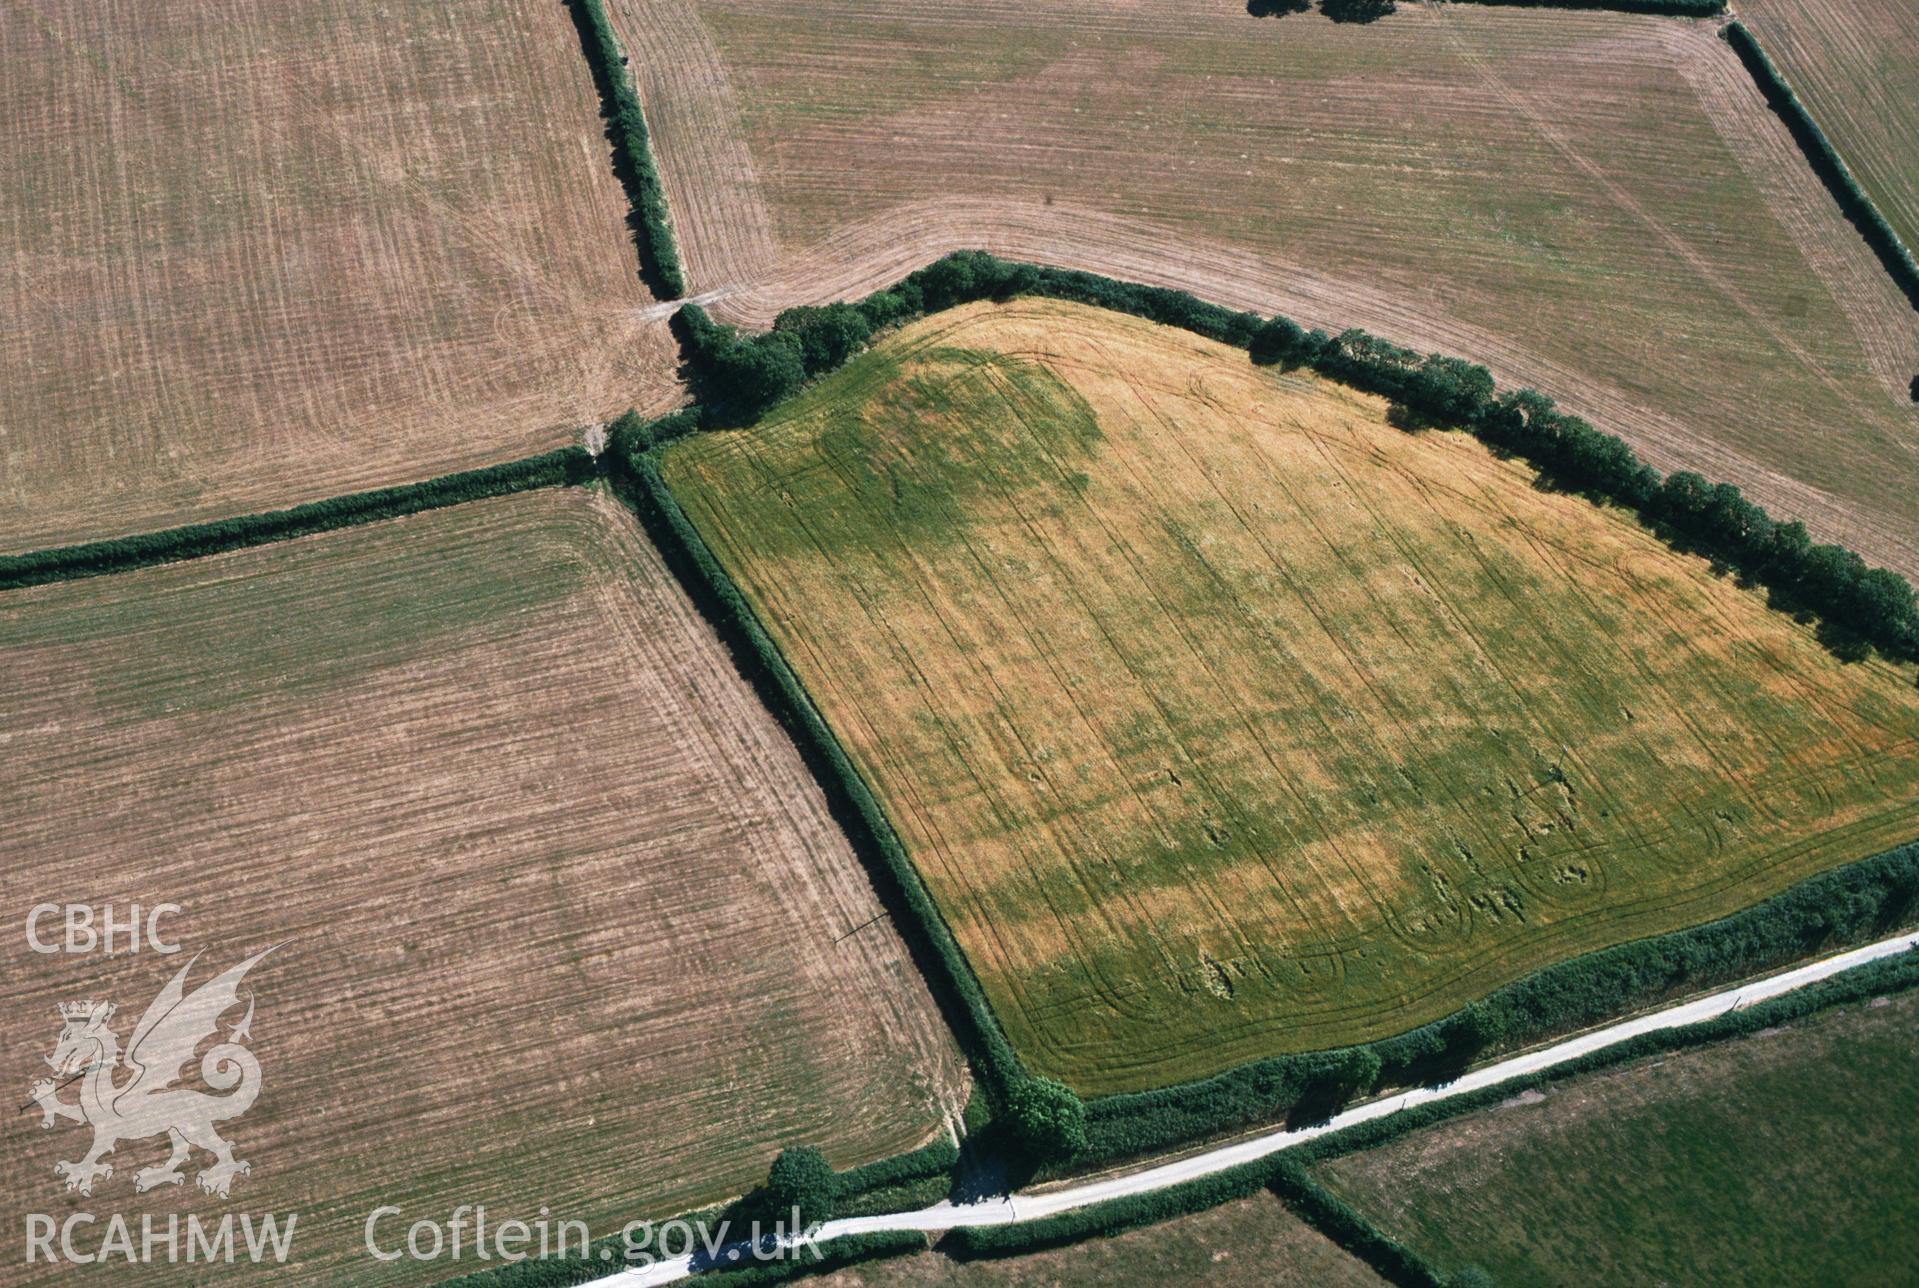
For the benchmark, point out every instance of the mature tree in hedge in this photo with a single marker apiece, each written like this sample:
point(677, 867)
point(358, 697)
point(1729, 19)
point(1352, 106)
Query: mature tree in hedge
point(1280, 340)
point(1331, 1081)
point(801, 1179)
point(1047, 1119)
point(749, 376)
point(1451, 389)
point(1474, 1029)
point(828, 334)
point(1356, 10)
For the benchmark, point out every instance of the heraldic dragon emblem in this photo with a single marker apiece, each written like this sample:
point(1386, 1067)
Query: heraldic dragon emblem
point(149, 1102)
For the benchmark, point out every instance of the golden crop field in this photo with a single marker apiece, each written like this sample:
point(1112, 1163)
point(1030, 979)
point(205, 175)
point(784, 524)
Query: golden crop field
point(253, 254)
point(1596, 204)
point(1225, 720)
point(563, 920)
point(1855, 63)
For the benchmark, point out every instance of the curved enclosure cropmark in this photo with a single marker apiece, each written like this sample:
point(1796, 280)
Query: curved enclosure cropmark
point(1225, 720)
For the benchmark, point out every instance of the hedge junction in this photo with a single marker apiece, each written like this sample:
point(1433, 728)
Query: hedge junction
point(738, 377)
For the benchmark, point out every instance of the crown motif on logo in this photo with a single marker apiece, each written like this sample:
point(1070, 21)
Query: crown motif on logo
point(85, 1010)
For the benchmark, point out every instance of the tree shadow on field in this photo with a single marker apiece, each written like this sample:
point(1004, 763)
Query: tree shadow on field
point(1356, 10)
point(1402, 417)
point(1276, 8)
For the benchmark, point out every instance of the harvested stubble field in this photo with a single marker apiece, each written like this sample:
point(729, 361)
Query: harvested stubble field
point(253, 254)
point(1224, 719)
point(1855, 63)
point(1782, 1158)
point(1596, 204)
point(560, 905)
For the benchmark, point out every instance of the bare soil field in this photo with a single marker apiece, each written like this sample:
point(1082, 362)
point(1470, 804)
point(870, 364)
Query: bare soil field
point(563, 921)
point(253, 254)
point(1254, 1243)
point(1224, 719)
point(1855, 63)
point(1781, 1158)
point(1596, 204)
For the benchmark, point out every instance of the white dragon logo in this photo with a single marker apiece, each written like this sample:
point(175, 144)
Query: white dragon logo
point(148, 1103)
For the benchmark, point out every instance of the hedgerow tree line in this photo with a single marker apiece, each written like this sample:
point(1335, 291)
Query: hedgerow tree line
point(1430, 388)
point(1289, 1174)
point(632, 151)
point(739, 377)
point(568, 465)
point(1828, 165)
point(1048, 1122)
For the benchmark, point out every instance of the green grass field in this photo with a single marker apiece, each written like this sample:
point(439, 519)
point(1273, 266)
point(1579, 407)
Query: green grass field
point(1784, 1158)
point(1225, 720)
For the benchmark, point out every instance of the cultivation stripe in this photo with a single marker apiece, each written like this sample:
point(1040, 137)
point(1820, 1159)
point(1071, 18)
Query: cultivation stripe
point(1019, 1209)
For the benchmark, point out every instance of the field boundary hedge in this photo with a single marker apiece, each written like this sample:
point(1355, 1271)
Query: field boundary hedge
point(1824, 909)
point(739, 377)
point(635, 467)
point(1858, 207)
point(1842, 905)
point(564, 467)
point(1286, 1171)
point(633, 162)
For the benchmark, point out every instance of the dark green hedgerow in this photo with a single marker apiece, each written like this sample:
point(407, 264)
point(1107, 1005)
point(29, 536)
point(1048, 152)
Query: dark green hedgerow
point(1346, 1226)
point(568, 465)
point(1826, 161)
point(1825, 909)
point(741, 376)
point(1114, 1216)
point(832, 1254)
point(934, 1160)
point(897, 881)
point(632, 150)
point(1286, 1172)
point(629, 435)
point(1844, 905)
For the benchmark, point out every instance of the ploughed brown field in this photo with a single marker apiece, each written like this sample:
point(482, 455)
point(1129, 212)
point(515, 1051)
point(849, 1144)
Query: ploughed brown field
point(1596, 204)
point(563, 923)
point(253, 254)
point(1225, 719)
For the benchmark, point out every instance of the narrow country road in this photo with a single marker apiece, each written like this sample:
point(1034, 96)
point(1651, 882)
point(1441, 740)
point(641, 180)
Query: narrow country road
point(1016, 1208)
